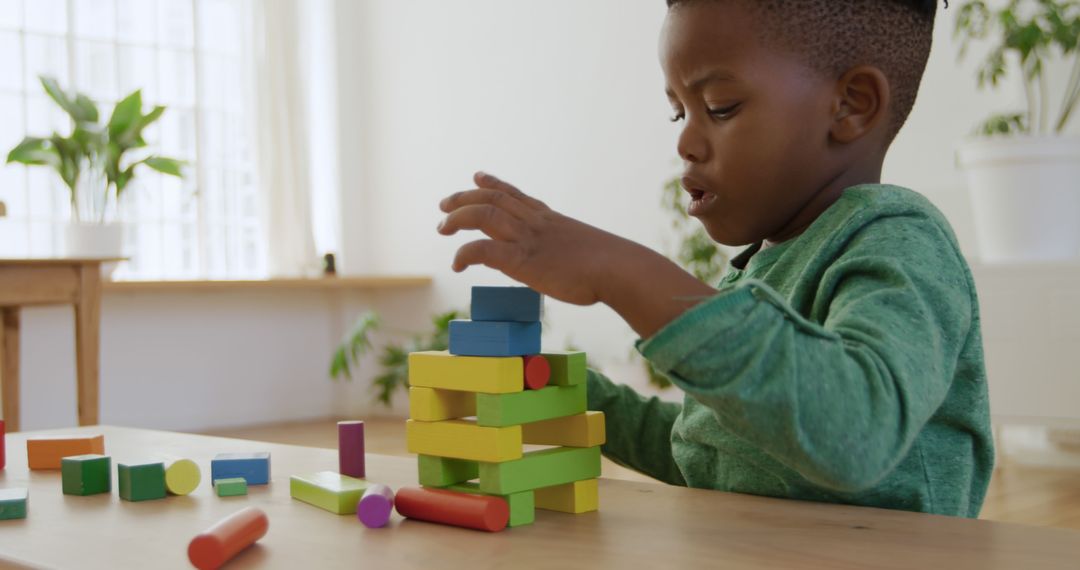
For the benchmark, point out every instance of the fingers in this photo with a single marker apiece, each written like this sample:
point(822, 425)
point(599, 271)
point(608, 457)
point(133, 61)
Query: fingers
point(498, 255)
point(485, 180)
point(491, 196)
point(495, 222)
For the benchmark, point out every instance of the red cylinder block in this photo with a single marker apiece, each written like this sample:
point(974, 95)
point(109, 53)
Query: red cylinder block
point(478, 512)
point(537, 372)
point(219, 543)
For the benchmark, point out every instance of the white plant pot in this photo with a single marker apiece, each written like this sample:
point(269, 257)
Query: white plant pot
point(94, 240)
point(1025, 195)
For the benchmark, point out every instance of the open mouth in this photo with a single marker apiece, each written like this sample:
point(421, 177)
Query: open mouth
point(701, 201)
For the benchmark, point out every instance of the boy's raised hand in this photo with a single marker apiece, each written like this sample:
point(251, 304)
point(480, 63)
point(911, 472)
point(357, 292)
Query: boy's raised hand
point(528, 241)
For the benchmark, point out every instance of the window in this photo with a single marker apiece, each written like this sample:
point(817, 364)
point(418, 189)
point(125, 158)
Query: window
point(193, 56)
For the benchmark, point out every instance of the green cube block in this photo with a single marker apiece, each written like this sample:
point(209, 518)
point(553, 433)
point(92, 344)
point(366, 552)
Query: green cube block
point(86, 474)
point(230, 487)
point(328, 490)
point(141, 481)
point(443, 471)
point(522, 505)
point(500, 410)
point(567, 368)
point(537, 469)
point(13, 503)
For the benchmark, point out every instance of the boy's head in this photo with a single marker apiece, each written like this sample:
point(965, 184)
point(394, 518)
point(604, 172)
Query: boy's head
point(788, 102)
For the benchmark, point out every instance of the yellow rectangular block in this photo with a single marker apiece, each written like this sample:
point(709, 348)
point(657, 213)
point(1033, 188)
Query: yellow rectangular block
point(574, 498)
point(460, 439)
point(579, 430)
point(490, 375)
point(433, 405)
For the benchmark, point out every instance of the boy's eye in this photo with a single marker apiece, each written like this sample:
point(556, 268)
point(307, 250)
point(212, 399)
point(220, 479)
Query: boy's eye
point(677, 117)
point(723, 112)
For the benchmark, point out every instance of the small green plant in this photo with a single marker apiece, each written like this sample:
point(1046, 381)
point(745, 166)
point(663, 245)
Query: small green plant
point(696, 252)
point(1027, 34)
point(95, 150)
point(394, 358)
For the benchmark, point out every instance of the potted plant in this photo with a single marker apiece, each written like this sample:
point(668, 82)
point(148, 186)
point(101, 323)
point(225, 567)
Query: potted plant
point(93, 162)
point(1022, 169)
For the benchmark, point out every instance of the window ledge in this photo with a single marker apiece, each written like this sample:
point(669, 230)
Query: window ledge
point(345, 283)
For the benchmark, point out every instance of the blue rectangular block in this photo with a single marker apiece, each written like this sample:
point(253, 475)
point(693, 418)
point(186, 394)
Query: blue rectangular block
point(494, 338)
point(253, 467)
point(519, 304)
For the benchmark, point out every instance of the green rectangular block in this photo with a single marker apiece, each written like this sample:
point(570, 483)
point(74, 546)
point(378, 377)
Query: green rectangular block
point(522, 505)
point(444, 471)
point(328, 490)
point(567, 368)
point(538, 469)
point(141, 481)
point(13, 503)
point(499, 410)
point(86, 474)
point(231, 487)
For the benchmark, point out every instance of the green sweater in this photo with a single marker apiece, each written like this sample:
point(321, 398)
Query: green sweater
point(843, 366)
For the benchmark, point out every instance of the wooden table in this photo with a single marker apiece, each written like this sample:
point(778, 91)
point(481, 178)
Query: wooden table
point(640, 525)
point(25, 282)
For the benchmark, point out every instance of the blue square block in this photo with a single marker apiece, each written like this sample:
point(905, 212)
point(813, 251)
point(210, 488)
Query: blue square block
point(252, 467)
point(519, 304)
point(494, 338)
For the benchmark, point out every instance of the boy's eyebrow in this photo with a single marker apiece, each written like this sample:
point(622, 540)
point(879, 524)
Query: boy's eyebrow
point(706, 78)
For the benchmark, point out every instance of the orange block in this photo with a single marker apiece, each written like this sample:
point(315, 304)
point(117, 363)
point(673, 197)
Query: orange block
point(45, 452)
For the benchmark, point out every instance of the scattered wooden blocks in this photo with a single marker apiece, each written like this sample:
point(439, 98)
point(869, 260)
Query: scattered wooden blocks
point(440, 369)
point(478, 512)
point(538, 469)
point(14, 503)
point(498, 410)
point(182, 476)
point(494, 338)
point(444, 471)
point(45, 452)
point(522, 505)
point(580, 430)
point(506, 304)
point(375, 506)
point(567, 368)
point(433, 405)
point(461, 439)
point(253, 467)
point(86, 474)
point(334, 492)
point(231, 487)
point(141, 481)
point(537, 372)
point(218, 544)
point(574, 498)
point(351, 449)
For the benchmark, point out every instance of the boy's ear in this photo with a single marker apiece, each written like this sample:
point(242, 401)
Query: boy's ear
point(861, 105)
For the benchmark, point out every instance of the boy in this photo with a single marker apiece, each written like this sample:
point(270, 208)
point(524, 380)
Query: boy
point(840, 360)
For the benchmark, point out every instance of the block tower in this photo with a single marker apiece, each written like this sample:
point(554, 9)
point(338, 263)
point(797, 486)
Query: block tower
point(474, 408)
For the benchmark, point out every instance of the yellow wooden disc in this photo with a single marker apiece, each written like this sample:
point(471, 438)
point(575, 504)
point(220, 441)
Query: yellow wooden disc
point(182, 477)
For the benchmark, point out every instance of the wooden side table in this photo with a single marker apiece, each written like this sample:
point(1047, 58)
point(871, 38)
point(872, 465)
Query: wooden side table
point(27, 282)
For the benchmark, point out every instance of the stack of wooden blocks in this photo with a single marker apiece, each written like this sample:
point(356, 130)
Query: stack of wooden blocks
point(475, 407)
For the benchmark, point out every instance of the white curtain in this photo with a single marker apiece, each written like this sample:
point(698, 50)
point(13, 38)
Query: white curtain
point(283, 139)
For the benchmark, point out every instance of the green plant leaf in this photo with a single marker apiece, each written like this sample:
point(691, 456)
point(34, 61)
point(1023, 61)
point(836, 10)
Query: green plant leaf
point(35, 151)
point(78, 112)
point(164, 165)
point(87, 109)
point(124, 121)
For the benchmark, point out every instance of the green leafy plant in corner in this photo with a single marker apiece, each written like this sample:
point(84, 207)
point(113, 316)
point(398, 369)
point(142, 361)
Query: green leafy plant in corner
point(394, 358)
point(1024, 34)
point(99, 151)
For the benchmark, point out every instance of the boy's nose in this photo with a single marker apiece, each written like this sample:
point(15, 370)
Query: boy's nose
point(692, 146)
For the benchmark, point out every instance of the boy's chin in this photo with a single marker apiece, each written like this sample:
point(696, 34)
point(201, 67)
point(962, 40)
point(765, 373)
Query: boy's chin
point(726, 235)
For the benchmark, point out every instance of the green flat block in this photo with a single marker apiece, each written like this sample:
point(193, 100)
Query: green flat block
point(538, 469)
point(328, 490)
point(522, 505)
point(86, 474)
point(141, 481)
point(444, 471)
point(567, 368)
point(13, 503)
point(500, 410)
point(230, 487)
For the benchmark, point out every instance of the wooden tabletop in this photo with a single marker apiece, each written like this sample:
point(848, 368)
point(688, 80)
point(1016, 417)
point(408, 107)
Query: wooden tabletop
point(640, 525)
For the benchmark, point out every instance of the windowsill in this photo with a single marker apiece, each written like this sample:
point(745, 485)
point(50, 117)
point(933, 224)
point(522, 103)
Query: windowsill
point(344, 283)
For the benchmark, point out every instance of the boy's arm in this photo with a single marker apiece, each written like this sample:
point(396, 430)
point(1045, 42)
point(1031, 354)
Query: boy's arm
point(638, 429)
point(840, 403)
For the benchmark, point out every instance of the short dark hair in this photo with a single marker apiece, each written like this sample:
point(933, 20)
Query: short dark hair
point(832, 36)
